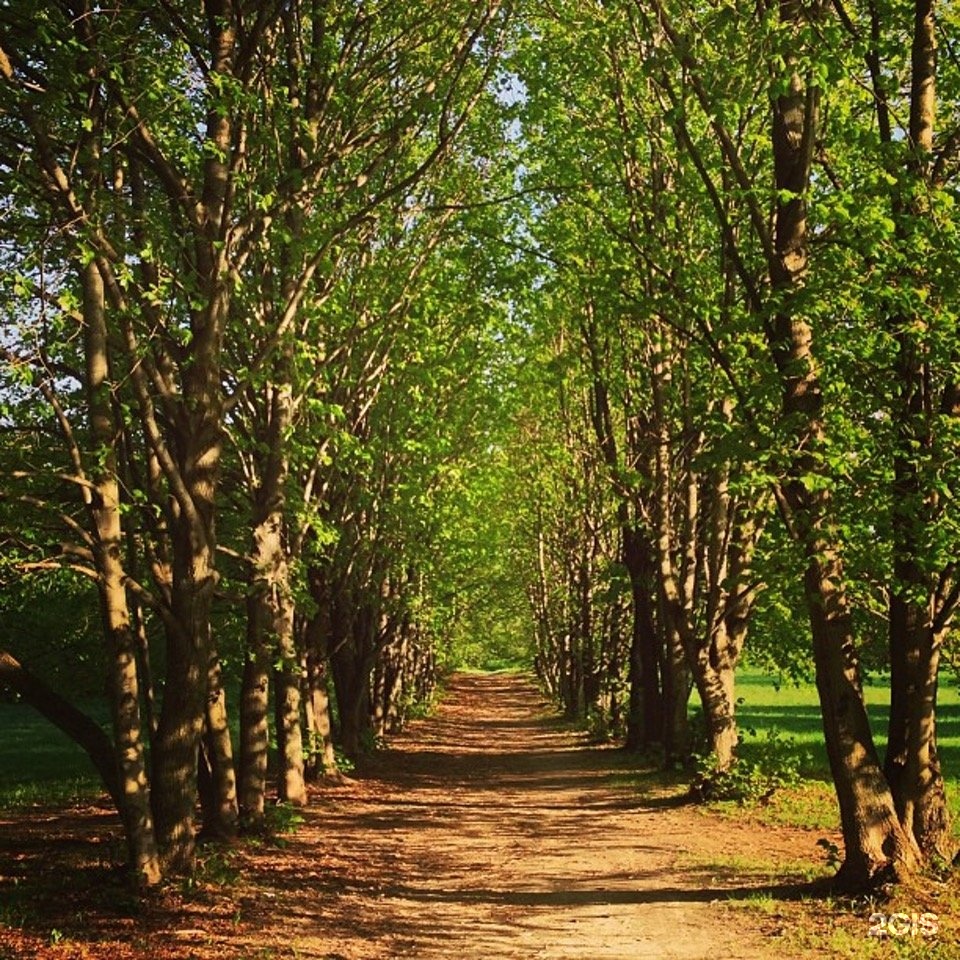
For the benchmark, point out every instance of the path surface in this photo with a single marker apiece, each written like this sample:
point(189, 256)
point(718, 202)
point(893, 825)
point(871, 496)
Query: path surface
point(489, 831)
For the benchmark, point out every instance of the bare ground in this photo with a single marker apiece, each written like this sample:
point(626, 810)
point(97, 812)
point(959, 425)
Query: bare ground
point(487, 831)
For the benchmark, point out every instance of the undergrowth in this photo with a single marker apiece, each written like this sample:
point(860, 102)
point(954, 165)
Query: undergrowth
point(775, 762)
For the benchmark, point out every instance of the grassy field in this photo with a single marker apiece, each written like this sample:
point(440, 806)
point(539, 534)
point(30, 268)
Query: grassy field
point(788, 716)
point(38, 763)
point(794, 711)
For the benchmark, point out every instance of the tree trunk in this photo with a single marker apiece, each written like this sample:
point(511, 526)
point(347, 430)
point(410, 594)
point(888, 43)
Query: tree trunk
point(292, 786)
point(254, 710)
point(675, 590)
point(193, 463)
point(351, 667)
point(645, 717)
point(912, 763)
point(875, 845)
point(676, 696)
point(918, 621)
point(123, 681)
point(354, 705)
point(714, 678)
point(176, 755)
point(730, 544)
point(189, 654)
point(265, 613)
point(322, 733)
point(221, 816)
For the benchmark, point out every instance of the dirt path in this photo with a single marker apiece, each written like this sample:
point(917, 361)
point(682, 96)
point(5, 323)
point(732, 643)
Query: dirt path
point(487, 831)
point(491, 832)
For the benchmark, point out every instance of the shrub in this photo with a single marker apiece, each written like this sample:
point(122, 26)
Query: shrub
point(775, 762)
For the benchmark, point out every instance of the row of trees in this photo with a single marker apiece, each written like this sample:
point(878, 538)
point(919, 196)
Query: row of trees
point(336, 334)
point(745, 219)
point(234, 338)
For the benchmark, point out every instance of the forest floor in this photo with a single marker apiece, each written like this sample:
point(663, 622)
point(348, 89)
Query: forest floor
point(488, 830)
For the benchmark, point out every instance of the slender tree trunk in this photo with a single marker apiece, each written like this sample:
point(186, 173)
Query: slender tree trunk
point(176, 752)
point(351, 664)
point(645, 718)
point(917, 621)
point(715, 676)
point(912, 764)
point(190, 647)
point(874, 842)
point(221, 816)
point(673, 586)
point(123, 681)
point(197, 442)
point(254, 727)
point(144, 668)
point(287, 680)
point(730, 544)
point(262, 628)
point(322, 733)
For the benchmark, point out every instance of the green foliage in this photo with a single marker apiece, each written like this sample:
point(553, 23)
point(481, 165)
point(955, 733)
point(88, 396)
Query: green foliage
point(281, 819)
point(215, 867)
point(344, 764)
point(51, 623)
point(775, 763)
point(371, 742)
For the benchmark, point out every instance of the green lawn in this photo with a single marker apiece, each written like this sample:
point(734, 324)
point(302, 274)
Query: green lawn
point(793, 711)
point(38, 763)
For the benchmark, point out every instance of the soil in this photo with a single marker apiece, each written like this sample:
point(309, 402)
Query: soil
point(489, 830)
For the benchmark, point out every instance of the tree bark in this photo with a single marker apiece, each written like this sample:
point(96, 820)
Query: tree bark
point(645, 717)
point(917, 620)
point(292, 786)
point(321, 733)
point(875, 845)
point(254, 710)
point(222, 816)
point(197, 435)
point(730, 543)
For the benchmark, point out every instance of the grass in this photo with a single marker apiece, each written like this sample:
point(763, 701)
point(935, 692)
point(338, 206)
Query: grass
point(857, 929)
point(754, 868)
point(829, 926)
point(39, 764)
point(792, 712)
